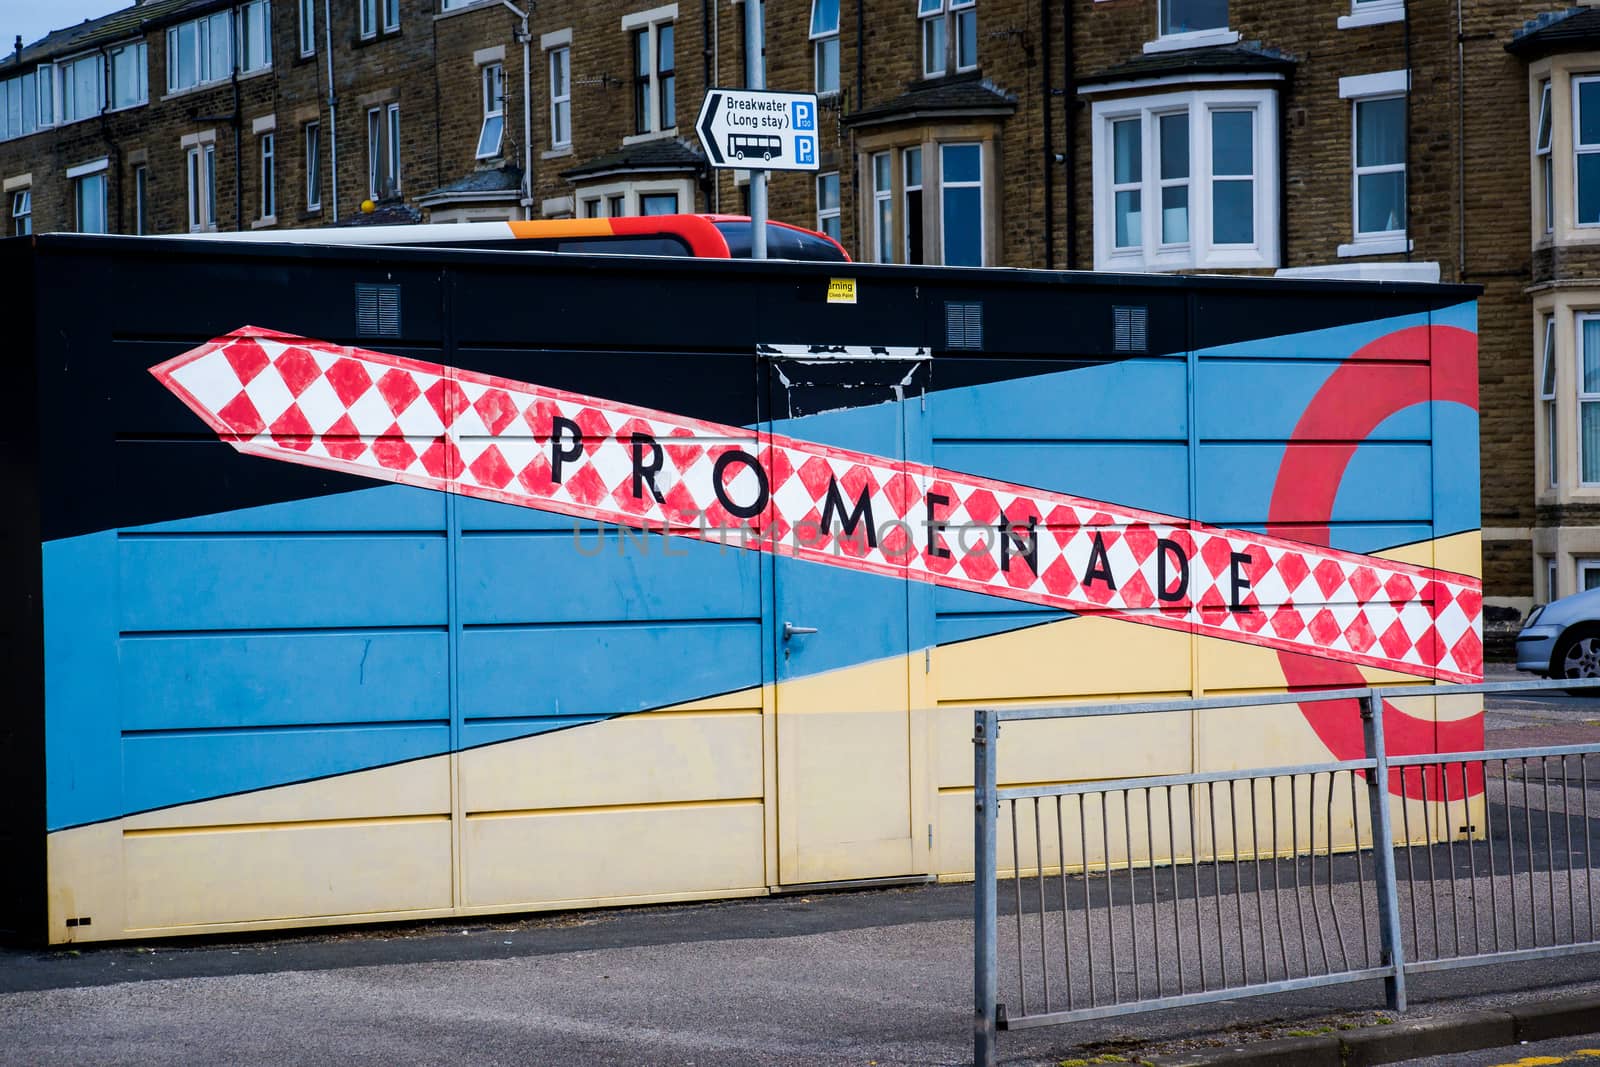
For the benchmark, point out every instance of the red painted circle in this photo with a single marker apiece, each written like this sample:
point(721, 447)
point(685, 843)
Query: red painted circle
point(1377, 381)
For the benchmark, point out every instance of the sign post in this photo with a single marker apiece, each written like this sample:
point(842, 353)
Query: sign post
point(758, 131)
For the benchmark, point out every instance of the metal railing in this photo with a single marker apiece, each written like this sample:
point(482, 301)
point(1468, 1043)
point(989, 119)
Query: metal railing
point(1136, 894)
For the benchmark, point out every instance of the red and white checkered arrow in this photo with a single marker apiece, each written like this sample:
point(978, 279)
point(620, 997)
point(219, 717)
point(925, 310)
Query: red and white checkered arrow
point(382, 416)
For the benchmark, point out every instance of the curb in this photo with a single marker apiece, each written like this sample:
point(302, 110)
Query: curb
point(1401, 1041)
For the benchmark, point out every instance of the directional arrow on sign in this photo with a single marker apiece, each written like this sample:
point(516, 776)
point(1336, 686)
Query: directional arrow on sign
point(754, 129)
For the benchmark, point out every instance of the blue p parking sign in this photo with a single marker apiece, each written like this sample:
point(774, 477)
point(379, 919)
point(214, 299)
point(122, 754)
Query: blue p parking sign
point(805, 149)
point(805, 115)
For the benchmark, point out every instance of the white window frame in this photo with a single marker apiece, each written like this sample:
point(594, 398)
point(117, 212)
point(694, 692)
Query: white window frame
point(1547, 394)
point(492, 80)
point(1580, 149)
point(200, 173)
point(141, 198)
point(1199, 252)
point(1372, 13)
point(820, 39)
point(906, 189)
point(1172, 42)
point(306, 28)
point(606, 198)
point(95, 170)
point(205, 28)
point(882, 217)
point(950, 15)
point(1359, 89)
point(367, 19)
point(832, 214)
point(63, 78)
point(560, 102)
point(1583, 398)
point(1552, 571)
point(983, 223)
point(391, 16)
point(21, 208)
point(311, 141)
point(241, 36)
point(26, 88)
point(651, 22)
point(1585, 566)
point(1543, 155)
point(267, 152)
point(383, 151)
point(141, 54)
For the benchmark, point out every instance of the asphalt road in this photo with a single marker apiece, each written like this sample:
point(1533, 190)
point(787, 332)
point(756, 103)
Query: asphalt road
point(861, 978)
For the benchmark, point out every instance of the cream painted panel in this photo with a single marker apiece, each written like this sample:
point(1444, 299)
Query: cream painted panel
point(636, 759)
point(85, 870)
point(420, 787)
point(608, 853)
point(1085, 656)
point(184, 878)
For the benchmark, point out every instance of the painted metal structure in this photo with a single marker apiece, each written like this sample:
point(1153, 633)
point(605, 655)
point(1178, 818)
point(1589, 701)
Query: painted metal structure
point(1102, 878)
point(368, 583)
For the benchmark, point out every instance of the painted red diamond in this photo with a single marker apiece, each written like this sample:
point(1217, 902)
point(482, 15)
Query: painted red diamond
point(298, 369)
point(349, 379)
point(246, 359)
point(291, 430)
point(241, 416)
point(342, 440)
point(496, 410)
point(398, 390)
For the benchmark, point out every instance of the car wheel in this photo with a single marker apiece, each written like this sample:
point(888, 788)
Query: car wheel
point(1577, 655)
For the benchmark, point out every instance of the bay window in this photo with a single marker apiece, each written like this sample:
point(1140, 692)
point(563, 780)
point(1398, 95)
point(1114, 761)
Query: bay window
point(1586, 148)
point(1547, 394)
point(1186, 180)
point(1589, 399)
point(961, 204)
point(882, 208)
point(1542, 151)
point(925, 202)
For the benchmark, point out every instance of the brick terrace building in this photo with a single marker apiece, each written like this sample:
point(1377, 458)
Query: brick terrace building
point(1109, 134)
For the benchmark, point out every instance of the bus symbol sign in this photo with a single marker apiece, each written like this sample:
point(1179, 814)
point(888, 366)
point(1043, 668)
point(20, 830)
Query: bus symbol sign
point(754, 129)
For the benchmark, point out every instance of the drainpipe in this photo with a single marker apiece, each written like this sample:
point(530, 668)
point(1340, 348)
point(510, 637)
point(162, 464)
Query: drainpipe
point(525, 38)
point(1069, 122)
point(1461, 148)
point(238, 150)
point(1045, 89)
point(1405, 22)
point(333, 111)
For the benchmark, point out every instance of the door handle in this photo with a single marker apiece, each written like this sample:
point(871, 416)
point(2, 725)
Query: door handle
point(791, 630)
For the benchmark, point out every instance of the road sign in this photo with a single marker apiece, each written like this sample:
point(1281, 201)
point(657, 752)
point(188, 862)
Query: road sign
point(756, 130)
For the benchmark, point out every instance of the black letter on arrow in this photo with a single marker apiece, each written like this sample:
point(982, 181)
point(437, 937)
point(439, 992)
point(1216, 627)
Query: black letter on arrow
point(559, 428)
point(1099, 564)
point(646, 472)
point(728, 459)
point(1239, 582)
point(1164, 550)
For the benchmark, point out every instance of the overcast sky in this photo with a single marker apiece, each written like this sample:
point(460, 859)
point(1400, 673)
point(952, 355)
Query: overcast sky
point(35, 18)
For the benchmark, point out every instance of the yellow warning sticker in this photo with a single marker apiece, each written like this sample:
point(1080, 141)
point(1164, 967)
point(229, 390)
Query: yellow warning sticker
point(841, 290)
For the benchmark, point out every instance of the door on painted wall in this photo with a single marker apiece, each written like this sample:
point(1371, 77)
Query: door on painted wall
point(851, 769)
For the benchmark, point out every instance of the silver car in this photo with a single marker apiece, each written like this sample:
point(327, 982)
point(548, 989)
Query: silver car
point(1562, 638)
